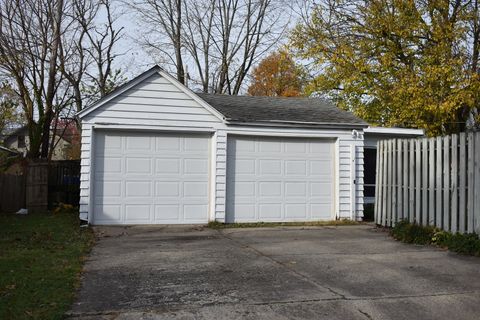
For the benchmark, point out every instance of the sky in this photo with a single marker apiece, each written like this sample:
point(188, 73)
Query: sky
point(134, 60)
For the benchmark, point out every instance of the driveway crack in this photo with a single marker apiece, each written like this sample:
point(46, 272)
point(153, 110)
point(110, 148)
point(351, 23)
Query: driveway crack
point(366, 314)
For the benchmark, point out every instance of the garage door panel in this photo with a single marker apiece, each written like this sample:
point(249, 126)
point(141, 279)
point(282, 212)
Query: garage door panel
point(166, 212)
point(270, 167)
point(292, 147)
point(270, 211)
point(112, 165)
point(107, 212)
point(152, 178)
point(138, 165)
point(195, 189)
point(321, 189)
point(195, 166)
point(138, 143)
point(295, 167)
point(195, 212)
point(244, 188)
point(272, 146)
point(108, 188)
point(109, 144)
point(296, 211)
point(296, 189)
point(167, 166)
point(321, 150)
point(169, 143)
point(167, 189)
point(270, 188)
point(137, 212)
point(244, 146)
point(196, 145)
point(138, 188)
point(320, 211)
point(285, 184)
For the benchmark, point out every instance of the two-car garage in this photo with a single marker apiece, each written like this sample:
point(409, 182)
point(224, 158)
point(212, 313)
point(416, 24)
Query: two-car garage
point(164, 178)
point(155, 152)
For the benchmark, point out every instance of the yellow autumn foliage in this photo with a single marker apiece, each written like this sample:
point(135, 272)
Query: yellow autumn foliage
point(395, 63)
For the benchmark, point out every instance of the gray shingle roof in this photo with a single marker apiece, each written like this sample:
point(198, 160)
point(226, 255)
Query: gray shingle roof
point(306, 111)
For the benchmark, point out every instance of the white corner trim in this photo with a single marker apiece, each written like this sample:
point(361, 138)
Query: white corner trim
point(394, 131)
point(115, 126)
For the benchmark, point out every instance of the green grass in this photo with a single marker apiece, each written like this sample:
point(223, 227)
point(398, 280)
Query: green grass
point(41, 257)
point(219, 225)
point(468, 244)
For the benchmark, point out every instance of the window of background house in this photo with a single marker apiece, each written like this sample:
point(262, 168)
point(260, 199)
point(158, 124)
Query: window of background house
point(21, 141)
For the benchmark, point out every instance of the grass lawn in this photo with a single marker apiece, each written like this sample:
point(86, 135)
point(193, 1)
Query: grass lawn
point(41, 257)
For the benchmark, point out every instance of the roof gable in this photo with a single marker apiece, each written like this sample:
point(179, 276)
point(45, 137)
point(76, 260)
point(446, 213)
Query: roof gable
point(130, 90)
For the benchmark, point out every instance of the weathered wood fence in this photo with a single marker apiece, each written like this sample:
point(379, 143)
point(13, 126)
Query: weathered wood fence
point(430, 181)
point(42, 186)
point(64, 183)
point(12, 192)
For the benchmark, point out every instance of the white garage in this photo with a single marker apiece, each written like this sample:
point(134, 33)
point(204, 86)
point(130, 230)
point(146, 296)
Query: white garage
point(154, 152)
point(150, 178)
point(279, 179)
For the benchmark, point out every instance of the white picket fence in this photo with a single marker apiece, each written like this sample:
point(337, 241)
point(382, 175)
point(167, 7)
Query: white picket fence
point(430, 181)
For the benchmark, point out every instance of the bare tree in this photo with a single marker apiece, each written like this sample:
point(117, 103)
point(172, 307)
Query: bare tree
point(30, 33)
point(164, 16)
point(49, 50)
point(88, 50)
point(220, 38)
point(103, 39)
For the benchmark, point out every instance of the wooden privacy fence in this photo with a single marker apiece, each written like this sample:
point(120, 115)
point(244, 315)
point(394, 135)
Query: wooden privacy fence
point(64, 183)
point(430, 181)
point(12, 192)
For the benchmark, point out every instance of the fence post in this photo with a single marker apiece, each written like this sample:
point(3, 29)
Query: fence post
point(462, 213)
point(384, 182)
point(438, 184)
point(411, 181)
point(37, 186)
point(393, 172)
point(418, 181)
point(476, 191)
point(399, 188)
point(446, 183)
point(470, 183)
point(405, 213)
point(454, 185)
point(431, 184)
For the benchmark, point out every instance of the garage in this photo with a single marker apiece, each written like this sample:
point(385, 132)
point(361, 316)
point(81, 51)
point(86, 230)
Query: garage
point(279, 179)
point(155, 152)
point(150, 178)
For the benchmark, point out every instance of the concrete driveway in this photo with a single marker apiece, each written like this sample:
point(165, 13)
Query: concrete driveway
point(349, 272)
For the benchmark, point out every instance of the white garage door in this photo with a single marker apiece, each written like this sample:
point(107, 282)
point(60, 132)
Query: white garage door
point(145, 178)
point(279, 179)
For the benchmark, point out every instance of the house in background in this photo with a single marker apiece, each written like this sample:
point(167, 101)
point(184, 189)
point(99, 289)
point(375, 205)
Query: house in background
point(67, 138)
point(154, 152)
